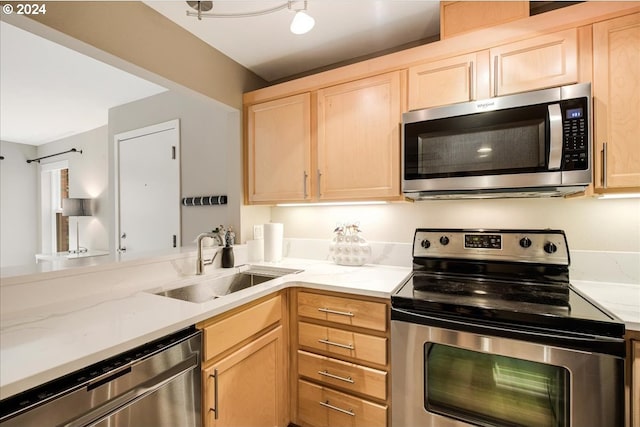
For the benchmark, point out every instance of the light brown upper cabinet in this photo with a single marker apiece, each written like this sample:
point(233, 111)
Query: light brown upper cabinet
point(616, 92)
point(449, 81)
point(540, 62)
point(536, 63)
point(279, 150)
point(458, 17)
point(358, 139)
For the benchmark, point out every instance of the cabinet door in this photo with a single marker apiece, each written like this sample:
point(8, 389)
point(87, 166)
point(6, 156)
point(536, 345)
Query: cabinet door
point(616, 93)
point(247, 388)
point(540, 62)
point(448, 81)
point(278, 150)
point(359, 139)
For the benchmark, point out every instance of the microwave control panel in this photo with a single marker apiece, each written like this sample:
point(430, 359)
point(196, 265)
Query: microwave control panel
point(575, 133)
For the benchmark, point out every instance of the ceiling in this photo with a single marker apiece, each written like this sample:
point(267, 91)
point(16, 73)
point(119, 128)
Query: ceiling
point(344, 29)
point(49, 92)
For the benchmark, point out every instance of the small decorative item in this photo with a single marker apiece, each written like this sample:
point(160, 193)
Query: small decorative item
point(348, 247)
point(227, 252)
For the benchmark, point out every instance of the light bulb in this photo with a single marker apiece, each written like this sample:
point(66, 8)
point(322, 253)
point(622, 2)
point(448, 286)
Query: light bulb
point(302, 23)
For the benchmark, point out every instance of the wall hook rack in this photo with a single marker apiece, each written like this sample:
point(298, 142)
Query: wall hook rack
point(73, 150)
point(204, 201)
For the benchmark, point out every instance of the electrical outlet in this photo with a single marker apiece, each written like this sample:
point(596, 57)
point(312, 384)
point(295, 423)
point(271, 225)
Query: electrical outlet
point(258, 232)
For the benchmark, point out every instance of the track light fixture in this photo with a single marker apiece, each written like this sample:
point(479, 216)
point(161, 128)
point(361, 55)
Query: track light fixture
point(302, 23)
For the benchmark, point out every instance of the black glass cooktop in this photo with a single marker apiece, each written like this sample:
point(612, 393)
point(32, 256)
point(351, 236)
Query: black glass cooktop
point(551, 306)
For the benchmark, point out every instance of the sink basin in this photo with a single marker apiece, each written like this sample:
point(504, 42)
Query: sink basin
point(207, 290)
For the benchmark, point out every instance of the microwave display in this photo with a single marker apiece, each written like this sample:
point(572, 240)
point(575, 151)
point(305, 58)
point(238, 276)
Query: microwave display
point(574, 113)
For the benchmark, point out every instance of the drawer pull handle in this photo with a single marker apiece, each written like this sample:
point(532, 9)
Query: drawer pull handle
point(337, 344)
point(335, 408)
point(341, 313)
point(336, 377)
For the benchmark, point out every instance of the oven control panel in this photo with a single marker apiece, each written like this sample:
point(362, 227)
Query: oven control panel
point(532, 246)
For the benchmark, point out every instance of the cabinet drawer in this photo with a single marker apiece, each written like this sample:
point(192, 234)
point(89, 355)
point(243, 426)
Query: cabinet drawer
point(363, 347)
point(349, 376)
point(347, 311)
point(228, 332)
point(322, 407)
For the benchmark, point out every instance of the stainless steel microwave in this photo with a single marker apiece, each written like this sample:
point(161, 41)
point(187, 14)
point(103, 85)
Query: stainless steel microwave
point(534, 144)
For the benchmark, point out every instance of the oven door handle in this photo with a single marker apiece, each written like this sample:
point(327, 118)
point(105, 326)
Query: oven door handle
point(524, 333)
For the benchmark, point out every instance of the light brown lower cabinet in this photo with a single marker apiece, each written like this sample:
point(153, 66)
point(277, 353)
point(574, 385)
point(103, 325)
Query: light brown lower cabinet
point(341, 360)
point(246, 388)
point(323, 407)
point(245, 366)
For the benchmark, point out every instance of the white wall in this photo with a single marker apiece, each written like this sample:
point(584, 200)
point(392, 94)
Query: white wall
point(18, 204)
point(88, 178)
point(210, 153)
point(590, 224)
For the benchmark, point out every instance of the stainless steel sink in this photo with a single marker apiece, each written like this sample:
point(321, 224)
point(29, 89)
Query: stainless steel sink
point(207, 290)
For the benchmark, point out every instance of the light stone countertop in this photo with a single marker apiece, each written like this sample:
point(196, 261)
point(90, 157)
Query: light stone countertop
point(111, 312)
point(44, 343)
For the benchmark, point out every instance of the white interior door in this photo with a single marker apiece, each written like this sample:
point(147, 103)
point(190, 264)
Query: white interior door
point(148, 174)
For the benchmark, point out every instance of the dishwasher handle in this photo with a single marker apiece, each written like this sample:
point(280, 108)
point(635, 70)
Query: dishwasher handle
point(111, 407)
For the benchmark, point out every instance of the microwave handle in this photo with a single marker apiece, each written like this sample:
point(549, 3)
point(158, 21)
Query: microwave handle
point(555, 136)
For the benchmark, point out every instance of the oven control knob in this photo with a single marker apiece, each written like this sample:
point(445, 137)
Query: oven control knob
point(425, 244)
point(525, 242)
point(444, 240)
point(550, 248)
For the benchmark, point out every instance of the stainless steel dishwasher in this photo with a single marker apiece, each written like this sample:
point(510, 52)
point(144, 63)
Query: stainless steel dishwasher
point(155, 385)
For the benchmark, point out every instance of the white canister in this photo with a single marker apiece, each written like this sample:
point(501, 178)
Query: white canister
point(273, 238)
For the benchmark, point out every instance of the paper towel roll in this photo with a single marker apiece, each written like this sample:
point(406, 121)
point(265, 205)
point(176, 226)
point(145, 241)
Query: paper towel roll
point(273, 236)
point(256, 250)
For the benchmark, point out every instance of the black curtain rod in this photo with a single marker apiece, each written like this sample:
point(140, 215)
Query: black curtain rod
point(73, 150)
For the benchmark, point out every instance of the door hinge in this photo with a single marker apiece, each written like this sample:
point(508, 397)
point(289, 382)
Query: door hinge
point(174, 241)
point(173, 152)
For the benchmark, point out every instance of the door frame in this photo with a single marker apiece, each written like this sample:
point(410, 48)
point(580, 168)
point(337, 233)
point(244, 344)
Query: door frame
point(136, 133)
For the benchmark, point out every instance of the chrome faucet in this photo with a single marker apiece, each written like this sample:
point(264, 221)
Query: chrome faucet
point(200, 263)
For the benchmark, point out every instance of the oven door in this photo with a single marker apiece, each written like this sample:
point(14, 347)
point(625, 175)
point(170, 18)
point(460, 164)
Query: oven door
point(446, 377)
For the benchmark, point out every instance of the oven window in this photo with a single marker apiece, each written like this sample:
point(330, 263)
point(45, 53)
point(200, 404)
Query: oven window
point(494, 390)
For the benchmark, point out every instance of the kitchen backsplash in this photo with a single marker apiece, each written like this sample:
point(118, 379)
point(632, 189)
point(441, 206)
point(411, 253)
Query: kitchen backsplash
point(613, 267)
point(596, 266)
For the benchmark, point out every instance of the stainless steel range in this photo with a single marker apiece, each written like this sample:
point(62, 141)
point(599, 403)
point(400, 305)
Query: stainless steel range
point(488, 331)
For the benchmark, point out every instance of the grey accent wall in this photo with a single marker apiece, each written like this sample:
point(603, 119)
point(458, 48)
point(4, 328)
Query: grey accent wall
point(18, 204)
point(210, 154)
